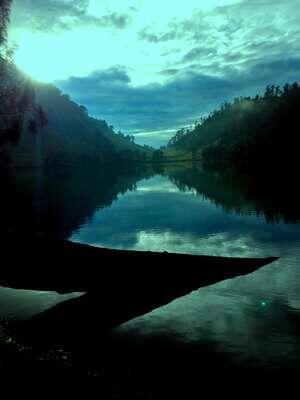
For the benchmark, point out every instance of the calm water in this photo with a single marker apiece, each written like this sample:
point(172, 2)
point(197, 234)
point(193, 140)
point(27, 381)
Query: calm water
point(254, 319)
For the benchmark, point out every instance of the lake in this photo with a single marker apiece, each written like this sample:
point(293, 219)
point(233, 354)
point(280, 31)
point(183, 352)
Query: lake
point(253, 319)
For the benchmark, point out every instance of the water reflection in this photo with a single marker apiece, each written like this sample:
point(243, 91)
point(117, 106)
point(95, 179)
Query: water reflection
point(255, 319)
point(58, 201)
point(274, 196)
point(55, 202)
point(23, 304)
point(160, 216)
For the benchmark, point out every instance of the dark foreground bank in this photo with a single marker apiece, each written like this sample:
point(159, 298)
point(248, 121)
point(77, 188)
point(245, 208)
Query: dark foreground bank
point(117, 284)
point(70, 350)
point(120, 368)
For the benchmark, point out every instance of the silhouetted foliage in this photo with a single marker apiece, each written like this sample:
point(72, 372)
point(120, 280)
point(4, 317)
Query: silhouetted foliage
point(42, 117)
point(4, 19)
point(18, 108)
point(157, 155)
point(32, 126)
point(69, 135)
point(130, 138)
point(248, 132)
point(83, 109)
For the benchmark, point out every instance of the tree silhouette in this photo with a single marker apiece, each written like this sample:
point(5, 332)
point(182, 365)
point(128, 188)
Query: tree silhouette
point(157, 155)
point(4, 19)
point(248, 132)
point(18, 108)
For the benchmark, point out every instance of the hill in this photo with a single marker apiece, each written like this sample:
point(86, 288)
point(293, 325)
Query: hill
point(248, 132)
point(69, 136)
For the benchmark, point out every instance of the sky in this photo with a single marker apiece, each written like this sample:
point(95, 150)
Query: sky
point(150, 67)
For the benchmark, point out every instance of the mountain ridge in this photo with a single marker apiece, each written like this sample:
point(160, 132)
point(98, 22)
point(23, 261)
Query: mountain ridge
point(70, 136)
point(248, 132)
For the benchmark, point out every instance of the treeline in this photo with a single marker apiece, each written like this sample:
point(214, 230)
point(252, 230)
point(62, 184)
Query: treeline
point(41, 126)
point(274, 196)
point(248, 132)
point(71, 136)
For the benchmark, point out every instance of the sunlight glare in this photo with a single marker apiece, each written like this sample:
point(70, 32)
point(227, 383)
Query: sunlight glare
point(54, 57)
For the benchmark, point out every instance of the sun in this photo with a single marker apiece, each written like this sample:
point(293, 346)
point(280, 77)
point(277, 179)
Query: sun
point(37, 56)
point(49, 58)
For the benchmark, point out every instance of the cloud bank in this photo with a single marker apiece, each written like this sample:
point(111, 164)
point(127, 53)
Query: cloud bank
point(60, 15)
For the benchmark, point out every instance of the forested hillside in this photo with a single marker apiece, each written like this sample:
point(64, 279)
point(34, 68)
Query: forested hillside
point(53, 130)
point(69, 136)
point(249, 131)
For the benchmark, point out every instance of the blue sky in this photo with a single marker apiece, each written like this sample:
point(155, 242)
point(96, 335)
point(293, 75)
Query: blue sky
point(151, 67)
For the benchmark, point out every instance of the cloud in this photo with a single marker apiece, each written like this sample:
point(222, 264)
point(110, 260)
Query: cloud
point(199, 52)
point(146, 34)
point(206, 229)
point(116, 20)
point(60, 15)
point(153, 110)
point(155, 107)
point(233, 33)
point(170, 71)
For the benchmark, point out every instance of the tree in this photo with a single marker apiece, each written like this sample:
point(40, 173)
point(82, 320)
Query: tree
point(32, 126)
point(83, 109)
point(4, 20)
point(286, 89)
point(157, 155)
point(248, 131)
point(42, 117)
point(17, 93)
point(130, 138)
